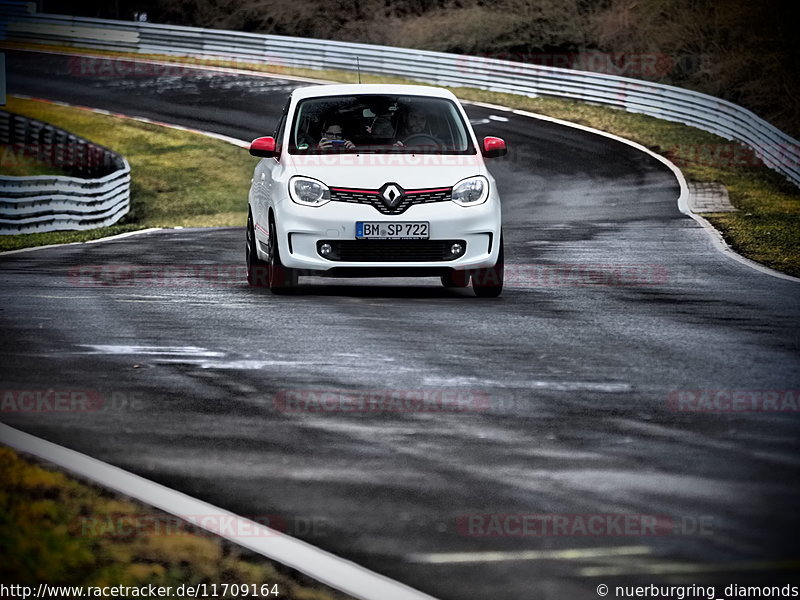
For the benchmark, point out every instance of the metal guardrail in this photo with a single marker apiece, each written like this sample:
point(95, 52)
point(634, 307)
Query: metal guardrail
point(10, 7)
point(776, 149)
point(95, 194)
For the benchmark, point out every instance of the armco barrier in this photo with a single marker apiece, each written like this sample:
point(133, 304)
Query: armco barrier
point(96, 195)
point(778, 150)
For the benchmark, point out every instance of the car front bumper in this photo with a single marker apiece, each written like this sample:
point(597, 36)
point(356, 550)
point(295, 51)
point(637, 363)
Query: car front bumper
point(301, 229)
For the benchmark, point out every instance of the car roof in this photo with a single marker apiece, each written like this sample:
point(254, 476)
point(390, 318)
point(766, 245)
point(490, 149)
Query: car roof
point(354, 89)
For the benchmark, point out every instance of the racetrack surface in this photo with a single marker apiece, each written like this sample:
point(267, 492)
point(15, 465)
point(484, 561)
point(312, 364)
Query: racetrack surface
point(571, 370)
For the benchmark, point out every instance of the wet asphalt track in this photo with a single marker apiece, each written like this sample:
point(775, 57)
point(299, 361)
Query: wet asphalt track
point(575, 371)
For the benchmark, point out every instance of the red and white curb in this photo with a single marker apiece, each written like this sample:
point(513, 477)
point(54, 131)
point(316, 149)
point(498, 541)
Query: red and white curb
point(335, 572)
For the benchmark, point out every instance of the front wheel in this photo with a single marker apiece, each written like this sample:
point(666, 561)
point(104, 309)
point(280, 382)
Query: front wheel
point(256, 268)
point(280, 279)
point(488, 283)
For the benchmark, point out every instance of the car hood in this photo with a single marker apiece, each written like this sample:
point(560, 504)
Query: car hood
point(371, 171)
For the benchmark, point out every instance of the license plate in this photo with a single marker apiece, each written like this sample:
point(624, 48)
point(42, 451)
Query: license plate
point(392, 230)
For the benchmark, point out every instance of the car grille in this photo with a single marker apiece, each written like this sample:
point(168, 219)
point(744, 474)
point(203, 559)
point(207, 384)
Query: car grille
point(373, 198)
point(392, 250)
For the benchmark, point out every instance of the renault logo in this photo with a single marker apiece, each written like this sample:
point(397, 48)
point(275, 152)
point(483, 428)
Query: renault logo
point(391, 194)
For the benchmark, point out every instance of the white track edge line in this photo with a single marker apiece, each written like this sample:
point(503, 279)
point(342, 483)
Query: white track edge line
point(118, 236)
point(683, 200)
point(327, 568)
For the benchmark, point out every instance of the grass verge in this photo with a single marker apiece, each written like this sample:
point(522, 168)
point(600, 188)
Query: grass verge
point(766, 227)
point(178, 178)
point(55, 529)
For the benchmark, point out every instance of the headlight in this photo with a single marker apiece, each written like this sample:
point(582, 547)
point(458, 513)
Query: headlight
point(471, 192)
point(309, 192)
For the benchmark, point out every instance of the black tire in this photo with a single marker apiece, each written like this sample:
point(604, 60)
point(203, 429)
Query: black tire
point(488, 283)
point(456, 279)
point(256, 268)
point(280, 279)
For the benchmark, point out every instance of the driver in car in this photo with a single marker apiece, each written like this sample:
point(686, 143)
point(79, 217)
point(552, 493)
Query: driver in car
point(415, 125)
point(416, 122)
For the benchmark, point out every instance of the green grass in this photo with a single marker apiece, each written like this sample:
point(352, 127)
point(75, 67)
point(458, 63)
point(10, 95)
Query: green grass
point(767, 226)
point(52, 530)
point(178, 178)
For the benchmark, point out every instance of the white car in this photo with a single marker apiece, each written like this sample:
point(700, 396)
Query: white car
point(374, 180)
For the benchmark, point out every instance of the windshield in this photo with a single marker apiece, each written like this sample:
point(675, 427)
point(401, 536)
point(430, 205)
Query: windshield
point(379, 123)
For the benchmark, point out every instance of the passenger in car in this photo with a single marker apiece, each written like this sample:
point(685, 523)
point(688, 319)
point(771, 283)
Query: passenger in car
point(333, 137)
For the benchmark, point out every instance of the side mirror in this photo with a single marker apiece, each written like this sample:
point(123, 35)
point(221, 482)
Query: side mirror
point(494, 147)
point(263, 147)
